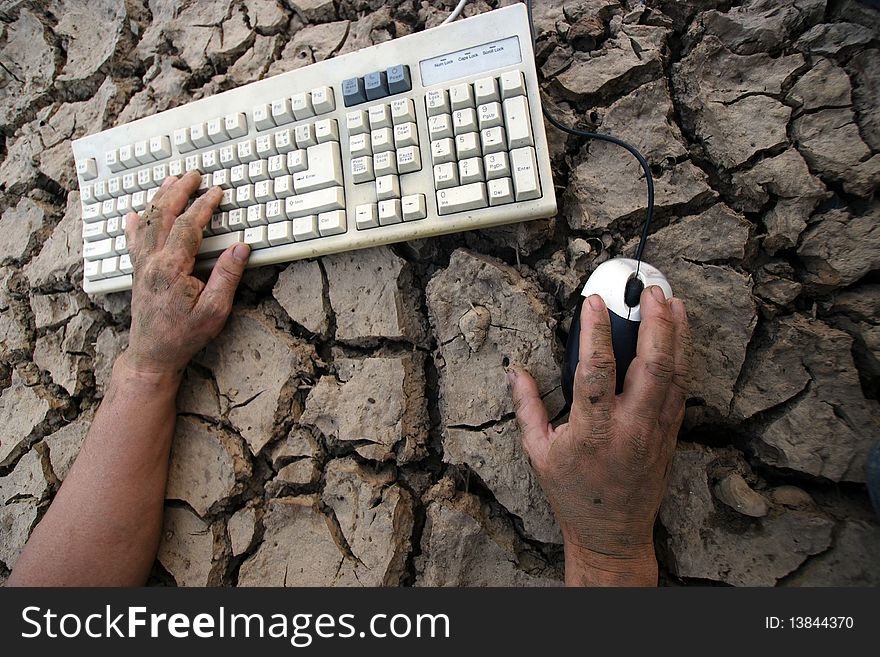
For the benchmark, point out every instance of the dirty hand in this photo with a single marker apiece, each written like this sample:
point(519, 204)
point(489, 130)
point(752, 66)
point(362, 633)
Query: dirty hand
point(605, 471)
point(174, 314)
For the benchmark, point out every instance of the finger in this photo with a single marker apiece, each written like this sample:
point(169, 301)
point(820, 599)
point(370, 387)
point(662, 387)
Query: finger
point(186, 233)
point(531, 415)
point(650, 373)
point(594, 378)
point(673, 407)
point(132, 220)
point(167, 205)
point(215, 301)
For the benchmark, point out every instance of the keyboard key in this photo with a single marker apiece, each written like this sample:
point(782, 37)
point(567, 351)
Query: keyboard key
point(325, 169)
point(176, 167)
point(246, 151)
point(387, 187)
point(353, 92)
point(296, 161)
point(462, 199)
point(85, 194)
point(244, 196)
point(236, 125)
point(92, 270)
point(192, 163)
point(305, 228)
point(284, 141)
point(114, 227)
point(470, 170)
point(322, 200)
point(126, 156)
point(302, 105)
point(221, 179)
point(217, 244)
point(380, 117)
point(108, 207)
point(220, 223)
point(160, 171)
point(264, 191)
point(512, 84)
point(125, 264)
point(464, 120)
point(437, 102)
point(390, 212)
point(409, 159)
point(277, 166)
point(440, 126)
point(357, 122)
point(326, 130)
point(98, 249)
point(525, 173)
point(182, 141)
point(198, 134)
point(228, 156)
point(275, 212)
point(359, 145)
point(518, 122)
point(99, 190)
point(442, 150)
point(282, 112)
point(385, 163)
point(111, 160)
point(280, 233)
point(323, 100)
point(257, 237)
point(265, 146)
point(414, 207)
point(382, 140)
point(238, 175)
point(210, 162)
point(160, 147)
point(467, 145)
point(500, 191)
point(461, 96)
point(283, 186)
point(496, 166)
point(445, 175)
point(120, 244)
point(367, 216)
point(263, 117)
point(114, 186)
point(305, 135)
point(258, 170)
point(362, 169)
point(237, 219)
point(492, 140)
point(402, 111)
point(485, 91)
point(87, 169)
point(332, 223)
point(399, 80)
point(376, 85)
point(216, 129)
point(110, 267)
point(139, 201)
point(94, 231)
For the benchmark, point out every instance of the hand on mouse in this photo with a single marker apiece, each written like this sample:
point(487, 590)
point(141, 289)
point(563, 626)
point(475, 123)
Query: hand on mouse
point(174, 314)
point(604, 472)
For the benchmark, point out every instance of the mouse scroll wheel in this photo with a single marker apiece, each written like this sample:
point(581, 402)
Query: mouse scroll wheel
point(633, 292)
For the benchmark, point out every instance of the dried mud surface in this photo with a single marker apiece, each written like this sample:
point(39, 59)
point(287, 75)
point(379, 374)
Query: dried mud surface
point(352, 425)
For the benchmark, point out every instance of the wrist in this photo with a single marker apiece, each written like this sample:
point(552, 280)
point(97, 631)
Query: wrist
point(129, 369)
point(635, 567)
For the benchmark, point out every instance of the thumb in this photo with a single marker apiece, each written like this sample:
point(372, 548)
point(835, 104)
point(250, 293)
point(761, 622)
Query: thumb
point(216, 299)
point(531, 415)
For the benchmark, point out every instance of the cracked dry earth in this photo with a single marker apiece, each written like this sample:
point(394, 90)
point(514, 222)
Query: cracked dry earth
point(352, 425)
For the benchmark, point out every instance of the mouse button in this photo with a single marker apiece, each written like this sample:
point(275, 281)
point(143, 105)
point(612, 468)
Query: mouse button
point(633, 292)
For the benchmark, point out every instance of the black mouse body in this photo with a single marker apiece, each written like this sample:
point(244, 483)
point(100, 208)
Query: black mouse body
point(619, 282)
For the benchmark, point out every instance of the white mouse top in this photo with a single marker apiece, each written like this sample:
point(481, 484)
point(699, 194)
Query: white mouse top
point(609, 282)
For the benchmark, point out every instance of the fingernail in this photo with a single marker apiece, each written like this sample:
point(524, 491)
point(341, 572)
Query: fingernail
point(240, 252)
point(657, 293)
point(167, 182)
point(596, 302)
point(677, 307)
point(511, 376)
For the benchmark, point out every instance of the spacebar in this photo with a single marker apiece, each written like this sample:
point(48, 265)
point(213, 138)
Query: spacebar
point(217, 244)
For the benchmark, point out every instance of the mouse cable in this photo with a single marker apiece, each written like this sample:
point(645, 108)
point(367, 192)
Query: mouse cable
point(455, 12)
point(649, 215)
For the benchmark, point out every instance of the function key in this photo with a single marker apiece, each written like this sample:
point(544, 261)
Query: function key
point(302, 105)
point(323, 100)
point(353, 92)
point(399, 79)
point(126, 156)
point(111, 159)
point(236, 125)
point(263, 117)
point(376, 85)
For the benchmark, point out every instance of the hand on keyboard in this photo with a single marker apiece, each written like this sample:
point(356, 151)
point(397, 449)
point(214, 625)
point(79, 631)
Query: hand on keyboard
point(173, 313)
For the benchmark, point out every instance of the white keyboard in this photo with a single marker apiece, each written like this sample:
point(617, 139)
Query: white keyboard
point(436, 132)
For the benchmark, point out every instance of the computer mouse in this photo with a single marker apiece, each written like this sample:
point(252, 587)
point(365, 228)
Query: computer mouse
point(619, 282)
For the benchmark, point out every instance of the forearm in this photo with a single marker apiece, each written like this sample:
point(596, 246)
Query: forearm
point(104, 525)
